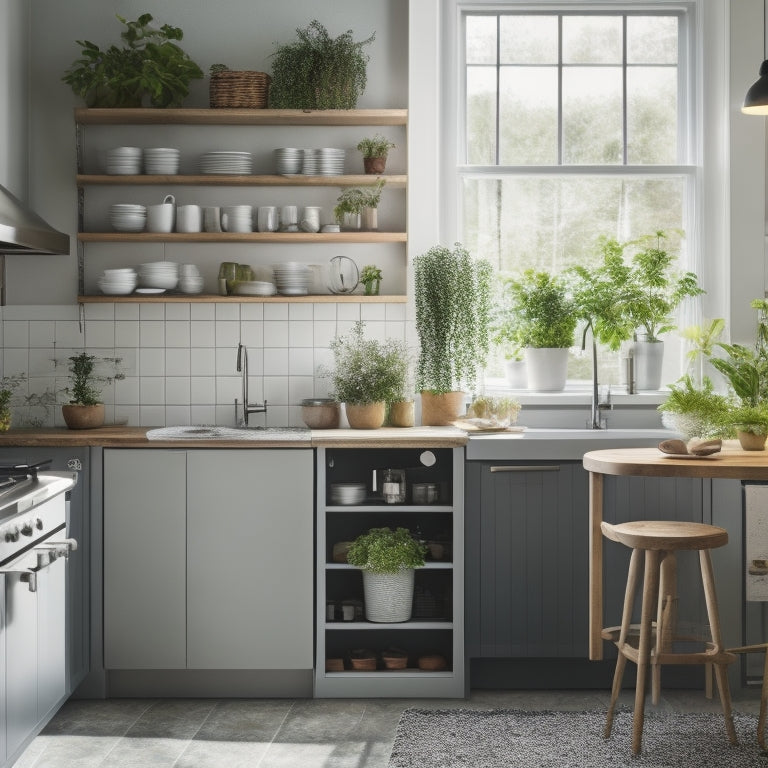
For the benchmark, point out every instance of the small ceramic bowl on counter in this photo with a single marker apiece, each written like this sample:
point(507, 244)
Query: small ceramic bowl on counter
point(320, 413)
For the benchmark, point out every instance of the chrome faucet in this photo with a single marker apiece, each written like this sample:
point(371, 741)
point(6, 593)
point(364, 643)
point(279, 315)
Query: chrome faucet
point(242, 368)
point(596, 420)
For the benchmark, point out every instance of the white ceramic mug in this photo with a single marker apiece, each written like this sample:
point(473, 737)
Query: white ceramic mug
point(161, 218)
point(237, 218)
point(267, 218)
point(212, 218)
point(310, 219)
point(189, 218)
point(289, 218)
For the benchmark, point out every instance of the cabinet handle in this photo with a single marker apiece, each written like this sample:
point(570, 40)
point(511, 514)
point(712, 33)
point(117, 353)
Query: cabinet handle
point(528, 468)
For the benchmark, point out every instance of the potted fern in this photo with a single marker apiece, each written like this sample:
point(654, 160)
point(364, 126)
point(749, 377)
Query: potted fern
point(452, 294)
point(387, 560)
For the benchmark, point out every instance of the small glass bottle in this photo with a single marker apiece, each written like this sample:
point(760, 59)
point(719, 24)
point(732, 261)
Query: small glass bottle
point(393, 487)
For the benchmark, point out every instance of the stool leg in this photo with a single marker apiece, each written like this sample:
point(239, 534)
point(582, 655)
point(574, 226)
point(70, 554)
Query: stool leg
point(650, 597)
point(626, 620)
point(763, 704)
point(666, 618)
point(721, 670)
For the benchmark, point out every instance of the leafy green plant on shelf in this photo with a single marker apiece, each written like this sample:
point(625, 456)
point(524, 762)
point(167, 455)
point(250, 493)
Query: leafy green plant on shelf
point(150, 65)
point(383, 550)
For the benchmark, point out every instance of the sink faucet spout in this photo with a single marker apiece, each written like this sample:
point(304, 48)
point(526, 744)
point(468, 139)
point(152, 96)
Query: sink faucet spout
point(242, 368)
point(596, 419)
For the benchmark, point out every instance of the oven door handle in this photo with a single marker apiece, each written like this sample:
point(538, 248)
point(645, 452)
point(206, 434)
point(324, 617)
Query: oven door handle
point(46, 553)
point(60, 548)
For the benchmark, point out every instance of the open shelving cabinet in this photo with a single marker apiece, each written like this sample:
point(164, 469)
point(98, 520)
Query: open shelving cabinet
point(437, 622)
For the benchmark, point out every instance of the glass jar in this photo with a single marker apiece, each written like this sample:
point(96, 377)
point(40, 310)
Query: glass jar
point(393, 486)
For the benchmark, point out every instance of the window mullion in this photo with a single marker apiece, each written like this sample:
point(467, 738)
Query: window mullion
point(560, 137)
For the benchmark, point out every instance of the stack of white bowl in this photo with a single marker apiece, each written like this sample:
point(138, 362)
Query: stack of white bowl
point(292, 278)
point(309, 162)
point(330, 161)
point(159, 274)
point(161, 161)
point(288, 160)
point(124, 161)
point(128, 217)
point(347, 493)
point(118, 282)
point(190, 279)
point(254, 288)
point(227, 162)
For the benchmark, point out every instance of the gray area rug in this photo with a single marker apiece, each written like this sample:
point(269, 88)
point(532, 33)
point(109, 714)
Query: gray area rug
point(428, 738)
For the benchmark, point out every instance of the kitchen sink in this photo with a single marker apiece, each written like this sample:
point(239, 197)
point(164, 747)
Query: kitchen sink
point(213, 432)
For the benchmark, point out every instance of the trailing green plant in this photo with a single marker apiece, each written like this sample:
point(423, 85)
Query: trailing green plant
point(376, 146)
point(366, 370)
point(86, 383)
point(318, 71)
point(383, 550)
point(537, 311)
point(352, 200)
point(149, 65)
point(453, 302)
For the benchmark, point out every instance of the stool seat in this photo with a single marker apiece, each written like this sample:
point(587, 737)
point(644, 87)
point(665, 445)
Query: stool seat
point(667, 535)
point(650, 644)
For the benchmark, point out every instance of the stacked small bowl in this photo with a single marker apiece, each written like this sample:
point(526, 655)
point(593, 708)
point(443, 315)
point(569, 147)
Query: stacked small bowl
point(161, 161)
point(128, 217)
point(288, 161)
point(347, 493)
point(292, 278)
point(118, 282)
point(122, 161)
point(159, 274)
point(330, 161)
point(190, 279)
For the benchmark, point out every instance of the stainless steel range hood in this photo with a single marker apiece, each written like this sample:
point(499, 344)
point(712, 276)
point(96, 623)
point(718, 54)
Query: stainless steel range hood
point(23, 231)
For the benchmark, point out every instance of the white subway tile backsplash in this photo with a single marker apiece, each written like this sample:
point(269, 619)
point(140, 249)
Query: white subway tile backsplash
point(177, 333)
point(151, 333)
point(227, 333)
point(275, 312)
point(127, 391)
point(276, 361)
point(99, 311)
point(128, 414)
point(42, 333)
point(177, 312)
point(348, 312)
point(68, 334)
point(300, 333)
point(152, 415)
point(202, 311)
point(226, 361)
point(15, 361)
point(202, 414)
point(395, 330)
point(300, 312)
point(276, 389)
point(202, 390)
point(299, 387)
point(275, 333)
point(126, 333)
point(376, 330)
point(151, 361)
point(370, 312)
point(202, 333)
point(323, 333)
point(324, 311)
point(301, 362)
point(151, 312)
point(16, 334)
point(127, 311)
point(394, 312)
point(99, 333)
point(41, 363)
point(251, 312)
point(151, 390)
point(252, 333)
point(177, 362)
point(228, 388)
point(202, 361)
point(177, 390)
point(278, 416)
point(41, 312)
point(177, 415)
point(227, 312)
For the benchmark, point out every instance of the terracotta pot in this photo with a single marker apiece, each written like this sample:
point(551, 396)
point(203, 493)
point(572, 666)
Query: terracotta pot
point(401, 414)
point(83, 416)
point(368, 416)
point(441, 410)
point(375, 164)
point(750, 441)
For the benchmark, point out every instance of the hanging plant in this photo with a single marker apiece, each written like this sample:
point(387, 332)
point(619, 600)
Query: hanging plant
point(318, 71)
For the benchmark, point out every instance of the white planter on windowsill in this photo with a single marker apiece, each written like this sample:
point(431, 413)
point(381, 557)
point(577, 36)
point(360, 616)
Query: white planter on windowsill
point(547, 368)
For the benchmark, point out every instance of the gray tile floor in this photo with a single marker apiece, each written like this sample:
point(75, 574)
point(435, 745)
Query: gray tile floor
point(272, 733)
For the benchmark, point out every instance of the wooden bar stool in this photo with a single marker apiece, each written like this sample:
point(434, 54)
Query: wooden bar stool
point(649, 644)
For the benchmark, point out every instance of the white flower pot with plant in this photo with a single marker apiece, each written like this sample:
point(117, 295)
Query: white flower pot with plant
point(356, 204)
point(387, 560)
point(453, 301)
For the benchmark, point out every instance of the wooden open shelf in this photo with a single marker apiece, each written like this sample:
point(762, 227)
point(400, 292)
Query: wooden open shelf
point(242, 237)
point(221, 180)
point(200, 298)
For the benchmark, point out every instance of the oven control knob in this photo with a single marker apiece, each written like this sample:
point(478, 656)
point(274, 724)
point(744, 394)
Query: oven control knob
point(39, 524)
point(27, 529)
point(12, 535)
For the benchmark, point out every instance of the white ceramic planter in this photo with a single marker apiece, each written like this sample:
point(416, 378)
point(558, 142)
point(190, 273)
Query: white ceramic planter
point(547, 368)
point(516, 373)
point(388, 596)
point(649, 356)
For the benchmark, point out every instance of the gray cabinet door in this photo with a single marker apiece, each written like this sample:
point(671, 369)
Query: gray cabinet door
point(250, 566)
point(144, 559)
point(526, 559)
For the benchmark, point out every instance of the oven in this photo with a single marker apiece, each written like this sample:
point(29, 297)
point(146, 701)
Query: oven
point(34, 552)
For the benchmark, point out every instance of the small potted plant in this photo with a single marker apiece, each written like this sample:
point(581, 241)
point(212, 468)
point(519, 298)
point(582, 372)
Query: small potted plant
point(85, 409)
point(452, 292)
point(149, 66)
point(356, 207)
point(375, 151)
point(370, 277)
point(318, 71)
point(8, 386)
point(751, 425)
point(695, 411)
point(387, 559)
point(543, 317)
point(367, 375)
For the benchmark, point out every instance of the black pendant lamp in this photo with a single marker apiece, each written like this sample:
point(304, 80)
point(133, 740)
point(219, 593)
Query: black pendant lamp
point(756, 100)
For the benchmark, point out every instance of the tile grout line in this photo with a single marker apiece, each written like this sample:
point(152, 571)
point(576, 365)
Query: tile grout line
point(128, 728)
point(277, 731)
point(200, 727)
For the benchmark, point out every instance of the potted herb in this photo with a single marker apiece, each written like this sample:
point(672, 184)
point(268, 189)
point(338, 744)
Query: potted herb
point(452, 294)
point(387, 559)
point(375, 151)
point(85, 409)
point(318, 71)
point(149, 66)
point(695, 411)
point(370, 277)
point(8, 386)
point(541, 317)
point(367, 375)
point(751, 424)
point(356, 206)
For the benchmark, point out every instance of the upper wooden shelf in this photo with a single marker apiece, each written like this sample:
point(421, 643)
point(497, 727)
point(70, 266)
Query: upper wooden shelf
point(137, 116)
point(266, 180)
point(358, 236)
point(312, 298)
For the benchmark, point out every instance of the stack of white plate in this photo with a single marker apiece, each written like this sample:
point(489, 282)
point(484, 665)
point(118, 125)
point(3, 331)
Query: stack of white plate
point(124, 161)
point(347, 493)
point(288, 160)
point(118, 282)
point(161, 161)
point(227, 162)
point(254, 288)
point(159, 274)
point(309, 162)
point(330, 161)
point(292, 278)
point(127, 217)
point(190, 279)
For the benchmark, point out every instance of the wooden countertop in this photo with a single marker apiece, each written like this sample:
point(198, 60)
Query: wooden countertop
point(136, 437)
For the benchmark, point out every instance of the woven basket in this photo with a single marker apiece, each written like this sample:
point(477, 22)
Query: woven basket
point(388, 596)
point(239, 89)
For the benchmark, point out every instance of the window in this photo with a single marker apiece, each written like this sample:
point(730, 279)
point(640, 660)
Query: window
point(575, 125)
